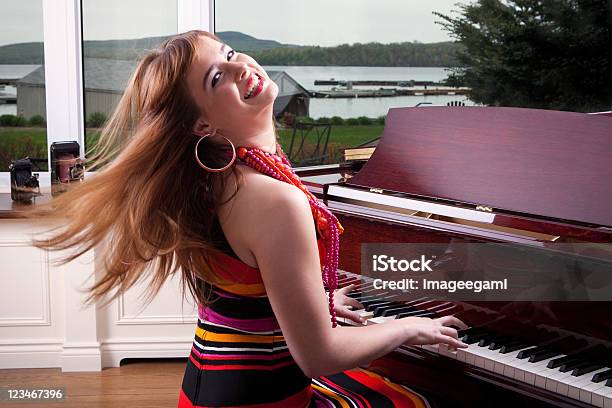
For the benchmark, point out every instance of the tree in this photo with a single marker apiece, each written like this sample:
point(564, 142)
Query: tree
point(550, 54)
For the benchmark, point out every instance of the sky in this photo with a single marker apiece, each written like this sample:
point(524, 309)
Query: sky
point(312, 22)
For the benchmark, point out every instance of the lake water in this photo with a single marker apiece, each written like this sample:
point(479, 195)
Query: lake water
point(12, 71)
point(343, 107)
point(371, 107)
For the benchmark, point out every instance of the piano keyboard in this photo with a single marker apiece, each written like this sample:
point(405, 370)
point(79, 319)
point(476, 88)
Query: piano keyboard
point(565, 365)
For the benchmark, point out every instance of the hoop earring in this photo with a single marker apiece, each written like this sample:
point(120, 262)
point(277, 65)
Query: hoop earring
point(209, 168)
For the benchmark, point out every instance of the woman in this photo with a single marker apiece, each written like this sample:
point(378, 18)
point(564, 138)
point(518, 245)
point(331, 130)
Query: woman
point(199, 182)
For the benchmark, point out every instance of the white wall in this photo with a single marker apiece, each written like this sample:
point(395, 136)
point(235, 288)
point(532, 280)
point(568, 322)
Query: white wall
point(42, 321)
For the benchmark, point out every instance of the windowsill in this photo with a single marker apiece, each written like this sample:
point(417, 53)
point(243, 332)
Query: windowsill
point(44, 180)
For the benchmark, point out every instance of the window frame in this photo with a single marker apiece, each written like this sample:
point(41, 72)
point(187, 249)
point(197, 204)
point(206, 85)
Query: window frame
point(63, 51)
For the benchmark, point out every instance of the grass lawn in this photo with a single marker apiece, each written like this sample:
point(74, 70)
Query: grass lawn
point(19, 142)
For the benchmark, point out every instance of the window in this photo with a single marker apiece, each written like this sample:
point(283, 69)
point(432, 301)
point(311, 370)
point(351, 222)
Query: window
point(345, 63)
point(342, 65)
point(115, 34)
point(23, 129)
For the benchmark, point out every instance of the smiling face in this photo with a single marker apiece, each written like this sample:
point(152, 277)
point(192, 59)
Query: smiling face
point(233, 92)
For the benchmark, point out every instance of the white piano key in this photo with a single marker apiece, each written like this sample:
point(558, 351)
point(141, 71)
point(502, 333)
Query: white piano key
point(573, 385)
point(554, 378)
point(445, 350)
point(430, 347)
point(461, 354)
point(380, 319)
point(501, 365)
point(587, 391)
point(469, 356)
point(534, 368)
point(608, 398)
point(540, 379)
point(487, 358)
point(600, 396)
point(478, 355)
point(512, 364)
point(364, 314)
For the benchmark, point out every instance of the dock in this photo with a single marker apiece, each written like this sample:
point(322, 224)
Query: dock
point(404, 84)
point(381, 93)
point(346, 89)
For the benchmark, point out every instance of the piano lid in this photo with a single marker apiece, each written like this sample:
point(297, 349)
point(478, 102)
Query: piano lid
point(539, 162)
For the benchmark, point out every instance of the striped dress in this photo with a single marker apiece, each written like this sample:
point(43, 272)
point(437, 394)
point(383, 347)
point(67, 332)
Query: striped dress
point(239, 357)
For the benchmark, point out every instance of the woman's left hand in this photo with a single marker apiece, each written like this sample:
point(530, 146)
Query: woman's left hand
point(346, 306)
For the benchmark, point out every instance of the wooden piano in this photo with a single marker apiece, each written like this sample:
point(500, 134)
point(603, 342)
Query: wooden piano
point(486, 174)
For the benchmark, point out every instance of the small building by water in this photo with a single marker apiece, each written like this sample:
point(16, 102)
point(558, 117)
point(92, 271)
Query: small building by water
point(106, 79)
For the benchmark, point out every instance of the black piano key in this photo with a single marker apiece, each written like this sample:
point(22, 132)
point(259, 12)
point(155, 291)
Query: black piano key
point(418, 301)
point(514, 346)
point(415, 313)
point(500, 342)
point(604, 375)
point(523, 354)
point(367, 302)
point(586, 368)
point(486, 342)
point(370, 306)
point(543, 355)
point(462, 333)
point(475, 337)
point(397, 310)
point(609, 383)
point(363, 301)
point(570, 365)
point(378, 311)
point(558, 362)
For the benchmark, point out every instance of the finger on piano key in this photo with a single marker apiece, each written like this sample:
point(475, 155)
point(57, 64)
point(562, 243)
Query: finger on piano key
point(446, 350)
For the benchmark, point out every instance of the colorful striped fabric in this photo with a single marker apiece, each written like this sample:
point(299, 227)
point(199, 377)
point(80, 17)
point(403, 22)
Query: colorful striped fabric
point(239, 357)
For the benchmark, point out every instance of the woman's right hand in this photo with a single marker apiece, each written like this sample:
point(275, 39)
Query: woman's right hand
point(424, 330)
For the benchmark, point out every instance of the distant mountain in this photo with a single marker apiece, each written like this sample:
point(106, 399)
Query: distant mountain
point(243, 42)
point(32, 53)
point(266, 52)
point(23, 53)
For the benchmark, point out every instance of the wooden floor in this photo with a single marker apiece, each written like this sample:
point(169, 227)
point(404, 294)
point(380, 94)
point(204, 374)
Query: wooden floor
point(138, 383)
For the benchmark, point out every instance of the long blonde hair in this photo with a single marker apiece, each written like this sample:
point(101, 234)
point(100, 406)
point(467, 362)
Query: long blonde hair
point(148, 196)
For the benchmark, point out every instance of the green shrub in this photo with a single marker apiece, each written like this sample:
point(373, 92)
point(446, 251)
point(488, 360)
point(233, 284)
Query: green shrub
point(37, 120)
point(96, 120)
point(323, 119)
point(381, 120)
point(337, 120)
point(22, 147)
point(364, 120)
point(352, 122)
point(12, 120)
point(7, 120)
